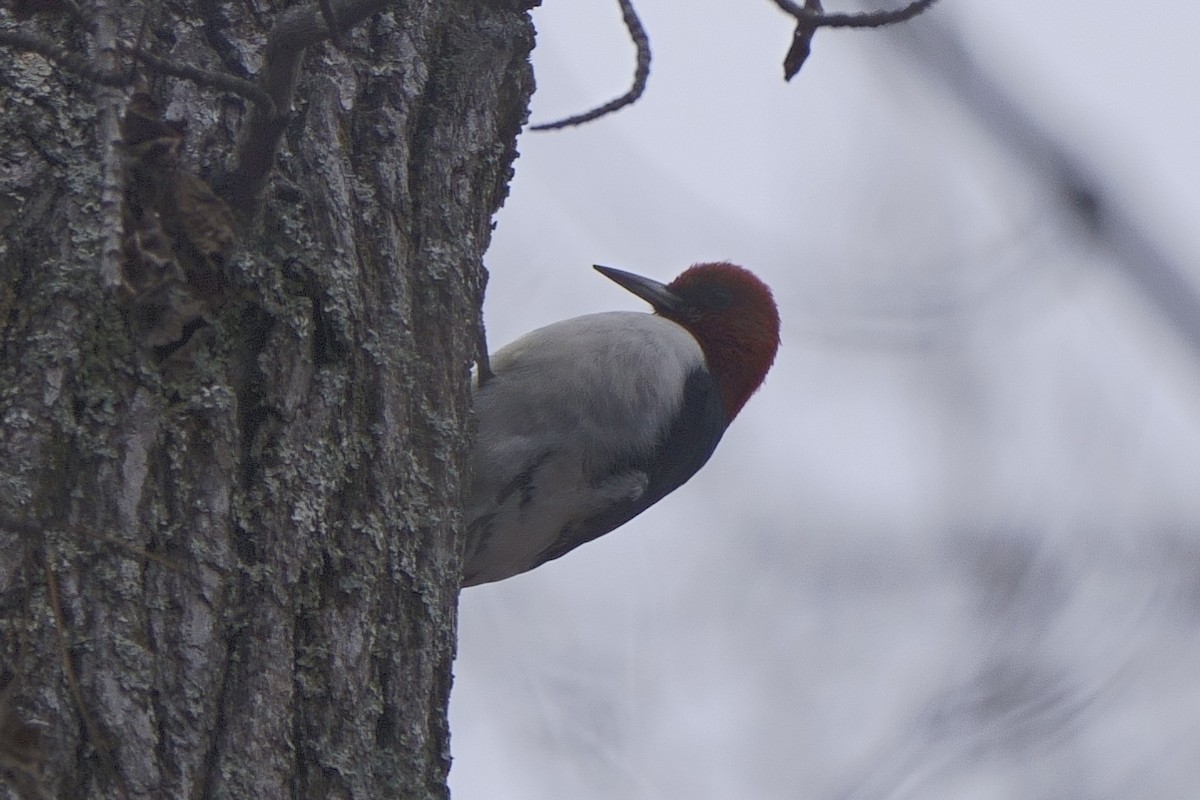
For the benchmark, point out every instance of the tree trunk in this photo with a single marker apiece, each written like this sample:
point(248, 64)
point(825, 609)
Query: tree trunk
point(230, 473)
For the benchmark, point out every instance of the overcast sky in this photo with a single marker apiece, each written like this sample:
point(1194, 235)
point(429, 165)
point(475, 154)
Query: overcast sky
point(952, 548)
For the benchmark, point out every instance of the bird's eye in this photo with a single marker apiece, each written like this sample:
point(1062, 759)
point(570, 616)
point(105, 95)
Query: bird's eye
point(711, 298)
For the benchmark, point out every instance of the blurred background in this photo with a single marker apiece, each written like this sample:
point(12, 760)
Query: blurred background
point(952, 548)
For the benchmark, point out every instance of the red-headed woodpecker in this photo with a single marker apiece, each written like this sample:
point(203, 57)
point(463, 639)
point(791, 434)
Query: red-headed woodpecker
point(588, 422)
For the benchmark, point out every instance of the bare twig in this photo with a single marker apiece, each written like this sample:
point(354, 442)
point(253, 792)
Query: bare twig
point(811, 16)
point(97, 739)
point(82, 66)
point(331, 22)
point(294, 30)
point(801, 47)
point(641, 74)
point(212, 80)
point(38, 529)
point(863, 19)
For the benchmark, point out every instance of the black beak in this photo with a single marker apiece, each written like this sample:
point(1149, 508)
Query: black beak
point(653, 292)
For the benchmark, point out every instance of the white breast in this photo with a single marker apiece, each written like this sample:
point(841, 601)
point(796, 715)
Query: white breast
point(567, 401)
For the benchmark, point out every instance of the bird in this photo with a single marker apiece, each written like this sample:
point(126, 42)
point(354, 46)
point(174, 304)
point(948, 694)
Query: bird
point(584, 424)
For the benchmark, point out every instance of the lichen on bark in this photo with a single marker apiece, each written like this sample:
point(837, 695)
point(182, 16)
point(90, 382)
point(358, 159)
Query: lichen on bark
point(228, 565)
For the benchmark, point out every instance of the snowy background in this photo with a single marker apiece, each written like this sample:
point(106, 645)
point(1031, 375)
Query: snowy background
point(952, 548)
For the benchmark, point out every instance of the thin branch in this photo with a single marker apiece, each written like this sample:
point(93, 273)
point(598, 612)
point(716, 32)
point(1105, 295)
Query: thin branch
point(331, 22)
point(95, 737)
point(801, 47)
point(38, 529)
point(211, 80)
point(641, 75)
point(863, 19)
point(83, 66)
point(294, 30)
point(811, 16)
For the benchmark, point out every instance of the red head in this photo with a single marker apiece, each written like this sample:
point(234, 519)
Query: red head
point(729, 311)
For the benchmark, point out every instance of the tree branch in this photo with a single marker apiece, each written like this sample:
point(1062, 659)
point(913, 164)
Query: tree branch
point(85, 68)
point(801, 47)
point(641, 75)
point(212, 80)
point(811, 16)
point(294, 30)
point(816, 18)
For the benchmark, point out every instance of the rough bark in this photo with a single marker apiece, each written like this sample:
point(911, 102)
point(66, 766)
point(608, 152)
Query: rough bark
point(228, 557)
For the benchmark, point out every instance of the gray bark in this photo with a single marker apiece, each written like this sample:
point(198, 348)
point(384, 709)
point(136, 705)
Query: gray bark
point(228, 553)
